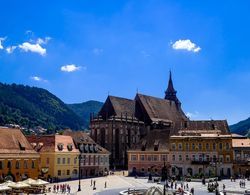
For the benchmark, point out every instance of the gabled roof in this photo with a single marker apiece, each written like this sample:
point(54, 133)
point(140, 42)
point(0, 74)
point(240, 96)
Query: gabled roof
point(122, 105)
point(117, 106)
point(52, 143)
point(13, 141)
point(80, 137)
point(206, 125)
point(161, 109)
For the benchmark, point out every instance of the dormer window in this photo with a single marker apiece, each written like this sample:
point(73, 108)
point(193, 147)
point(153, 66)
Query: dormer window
point(60, 147)
point(70, 147)
point(81, 148)
point(95, 149)
point(91, 148)
point(33, 145)
point(21, 146)
point(86, 148)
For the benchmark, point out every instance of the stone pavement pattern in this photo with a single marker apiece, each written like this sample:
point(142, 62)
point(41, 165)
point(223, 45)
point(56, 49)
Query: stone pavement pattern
point(116, 183)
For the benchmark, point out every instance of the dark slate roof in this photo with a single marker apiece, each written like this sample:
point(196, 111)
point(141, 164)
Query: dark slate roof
point(161, 109)
point(123, 105)
point(156, 138)
point(117, 106)
point(206, 126)
point(80, 137)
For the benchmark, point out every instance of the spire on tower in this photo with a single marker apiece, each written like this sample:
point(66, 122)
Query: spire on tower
point(170, 93)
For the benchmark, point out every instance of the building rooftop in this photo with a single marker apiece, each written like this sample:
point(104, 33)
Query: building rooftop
point(90, 146)
point(52, 143)
point(13, 141)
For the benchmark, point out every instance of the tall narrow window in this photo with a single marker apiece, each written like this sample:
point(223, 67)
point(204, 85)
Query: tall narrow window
point(9, 165)
point(1, 165)
point(32, 164)
point(17, 164)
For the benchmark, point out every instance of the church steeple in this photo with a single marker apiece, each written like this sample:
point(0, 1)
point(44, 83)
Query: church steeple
point(170, 93)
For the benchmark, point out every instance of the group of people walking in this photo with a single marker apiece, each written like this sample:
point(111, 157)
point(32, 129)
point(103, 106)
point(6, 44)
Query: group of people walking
point(62, 188)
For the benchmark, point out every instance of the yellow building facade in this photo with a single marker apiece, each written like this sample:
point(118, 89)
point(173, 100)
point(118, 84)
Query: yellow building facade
point(59, 157)
point(201, 154)
point(18, 160)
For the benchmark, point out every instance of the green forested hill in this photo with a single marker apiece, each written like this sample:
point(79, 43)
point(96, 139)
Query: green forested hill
point(242, 127)
point(32, 106)
point(84, 109)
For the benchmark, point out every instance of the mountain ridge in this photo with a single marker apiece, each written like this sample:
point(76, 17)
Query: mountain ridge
point(32, 106)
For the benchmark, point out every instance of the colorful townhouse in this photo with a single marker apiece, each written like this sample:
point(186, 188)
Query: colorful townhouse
point(94, 158)
point(59, 156)
point(18, 159)
point(201, 154)
point(241, 155)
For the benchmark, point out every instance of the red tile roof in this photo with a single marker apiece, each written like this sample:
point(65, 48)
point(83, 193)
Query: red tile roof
point(51, 143)
point(13, 141)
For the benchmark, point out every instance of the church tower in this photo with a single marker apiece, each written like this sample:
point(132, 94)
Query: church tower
point(170, 93)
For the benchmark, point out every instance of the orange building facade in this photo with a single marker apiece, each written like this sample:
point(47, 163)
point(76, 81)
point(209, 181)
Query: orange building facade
point(18, 160)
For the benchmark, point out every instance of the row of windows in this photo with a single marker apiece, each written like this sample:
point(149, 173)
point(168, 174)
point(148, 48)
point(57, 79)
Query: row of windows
point(200, 146)
point(200, 158)
point(180, 157)
point(85, 159)
point(62, 172)
point(63, 161)
point(17, 165)
point(162, 157)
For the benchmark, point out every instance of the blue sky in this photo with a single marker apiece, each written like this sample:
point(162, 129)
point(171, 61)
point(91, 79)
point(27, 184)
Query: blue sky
point(83, 50)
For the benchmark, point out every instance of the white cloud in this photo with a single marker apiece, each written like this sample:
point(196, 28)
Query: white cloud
point(41, 41)
point(186, 45)
point(1, 42)
point(192, 115)
point(97, 51)
point(37, 78)
point(71, 68)
point(10, 49)
point(36, 48)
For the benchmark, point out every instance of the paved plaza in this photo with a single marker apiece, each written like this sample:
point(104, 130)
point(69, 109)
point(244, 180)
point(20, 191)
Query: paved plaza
point(117, 183)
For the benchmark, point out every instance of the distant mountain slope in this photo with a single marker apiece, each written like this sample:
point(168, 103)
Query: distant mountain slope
point(84, 109)
point(242, 127)
point(32, 106)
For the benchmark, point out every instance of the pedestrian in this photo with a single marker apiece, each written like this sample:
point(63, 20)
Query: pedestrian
point(175, 185)
point(192, 191)
point(187, 186)
point(94, 188)
point(91, 182)
point(224, 187)
point(105, 184)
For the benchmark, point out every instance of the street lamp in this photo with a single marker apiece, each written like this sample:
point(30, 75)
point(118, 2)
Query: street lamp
point(79, 172)
point(80, 147)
